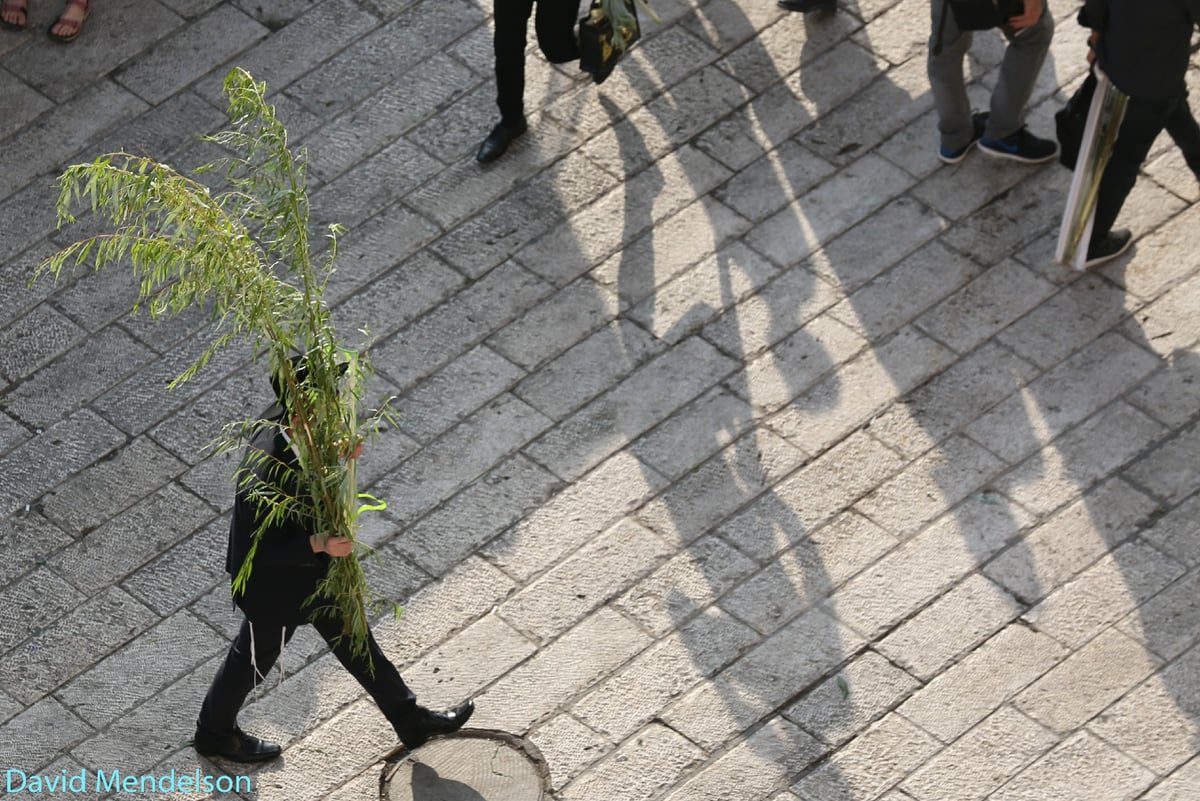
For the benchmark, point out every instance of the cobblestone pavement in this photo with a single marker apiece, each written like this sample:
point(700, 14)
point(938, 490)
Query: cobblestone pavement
point(745, 451)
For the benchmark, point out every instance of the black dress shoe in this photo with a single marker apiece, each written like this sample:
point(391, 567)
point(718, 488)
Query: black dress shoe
point(806, 6)
point(498, 141)
point(426, 723)
point(237, 746)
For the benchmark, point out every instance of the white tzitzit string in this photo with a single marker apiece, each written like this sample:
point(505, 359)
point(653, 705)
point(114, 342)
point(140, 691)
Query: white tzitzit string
point(259, 678)
point(282, 643)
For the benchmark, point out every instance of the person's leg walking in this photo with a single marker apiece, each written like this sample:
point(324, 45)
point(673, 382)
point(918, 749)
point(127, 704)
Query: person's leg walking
point(250, 658)
point(946, 80)
point(512, 21)
point(1143, 122)
point(374, 671)
point(1023, 60)
point(414, 724)
point(1184, 130)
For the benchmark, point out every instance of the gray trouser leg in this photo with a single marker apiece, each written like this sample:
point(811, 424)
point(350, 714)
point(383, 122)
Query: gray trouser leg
point(1023, 59)
point(946, 78)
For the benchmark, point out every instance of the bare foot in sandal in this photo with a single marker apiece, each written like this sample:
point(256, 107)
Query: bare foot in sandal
point(69, 24)
point(13, 15)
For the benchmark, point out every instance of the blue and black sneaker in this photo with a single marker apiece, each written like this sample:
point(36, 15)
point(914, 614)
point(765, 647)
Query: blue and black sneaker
point(978, 125)
point(1020, 146)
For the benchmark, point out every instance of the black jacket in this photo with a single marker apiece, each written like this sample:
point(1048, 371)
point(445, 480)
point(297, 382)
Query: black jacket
point(285, 570)
point(1144, 44)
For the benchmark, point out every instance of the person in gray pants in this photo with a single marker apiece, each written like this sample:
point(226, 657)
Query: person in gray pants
point(1000, 131)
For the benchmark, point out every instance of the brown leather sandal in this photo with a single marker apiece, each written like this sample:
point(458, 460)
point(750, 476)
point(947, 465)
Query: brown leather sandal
point(76, 26)
point(8, 7)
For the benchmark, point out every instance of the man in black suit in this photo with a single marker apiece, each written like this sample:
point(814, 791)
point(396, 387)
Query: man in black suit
point(1144, 49)
point(555, 26)
point(290, 560)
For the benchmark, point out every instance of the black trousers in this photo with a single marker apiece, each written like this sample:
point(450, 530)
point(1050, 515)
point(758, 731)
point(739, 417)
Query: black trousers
point(237, 676)
point(555, 26)
point(1144, 121)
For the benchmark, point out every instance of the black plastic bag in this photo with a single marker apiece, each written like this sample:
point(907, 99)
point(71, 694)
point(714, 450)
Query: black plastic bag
point(1070, 121)
point(598, 50)
point(983, 15)
point(976, 15)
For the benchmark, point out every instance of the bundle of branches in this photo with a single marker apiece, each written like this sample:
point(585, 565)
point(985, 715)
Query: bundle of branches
point(245, 253)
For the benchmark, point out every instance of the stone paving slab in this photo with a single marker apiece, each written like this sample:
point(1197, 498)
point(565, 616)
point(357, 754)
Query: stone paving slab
point(744, 450)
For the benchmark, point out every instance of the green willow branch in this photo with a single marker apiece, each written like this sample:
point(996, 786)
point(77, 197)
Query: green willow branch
point(245, 254)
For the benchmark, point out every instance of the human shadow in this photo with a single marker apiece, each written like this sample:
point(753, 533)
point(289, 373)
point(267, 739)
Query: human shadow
point(763, 516)
point(1148, 566)
point(709, 400)
point(982, 523)
point(1026, 434)
point(427, 785)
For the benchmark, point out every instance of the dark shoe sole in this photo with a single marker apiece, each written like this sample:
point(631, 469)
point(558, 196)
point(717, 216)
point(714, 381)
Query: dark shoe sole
point(1001, 153)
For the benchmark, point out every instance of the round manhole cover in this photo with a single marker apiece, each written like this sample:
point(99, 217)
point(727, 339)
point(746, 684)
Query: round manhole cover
point(473, 765)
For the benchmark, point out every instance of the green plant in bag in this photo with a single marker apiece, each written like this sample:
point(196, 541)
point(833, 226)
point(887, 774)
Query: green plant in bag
point(606, 33)
point(624, 20)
